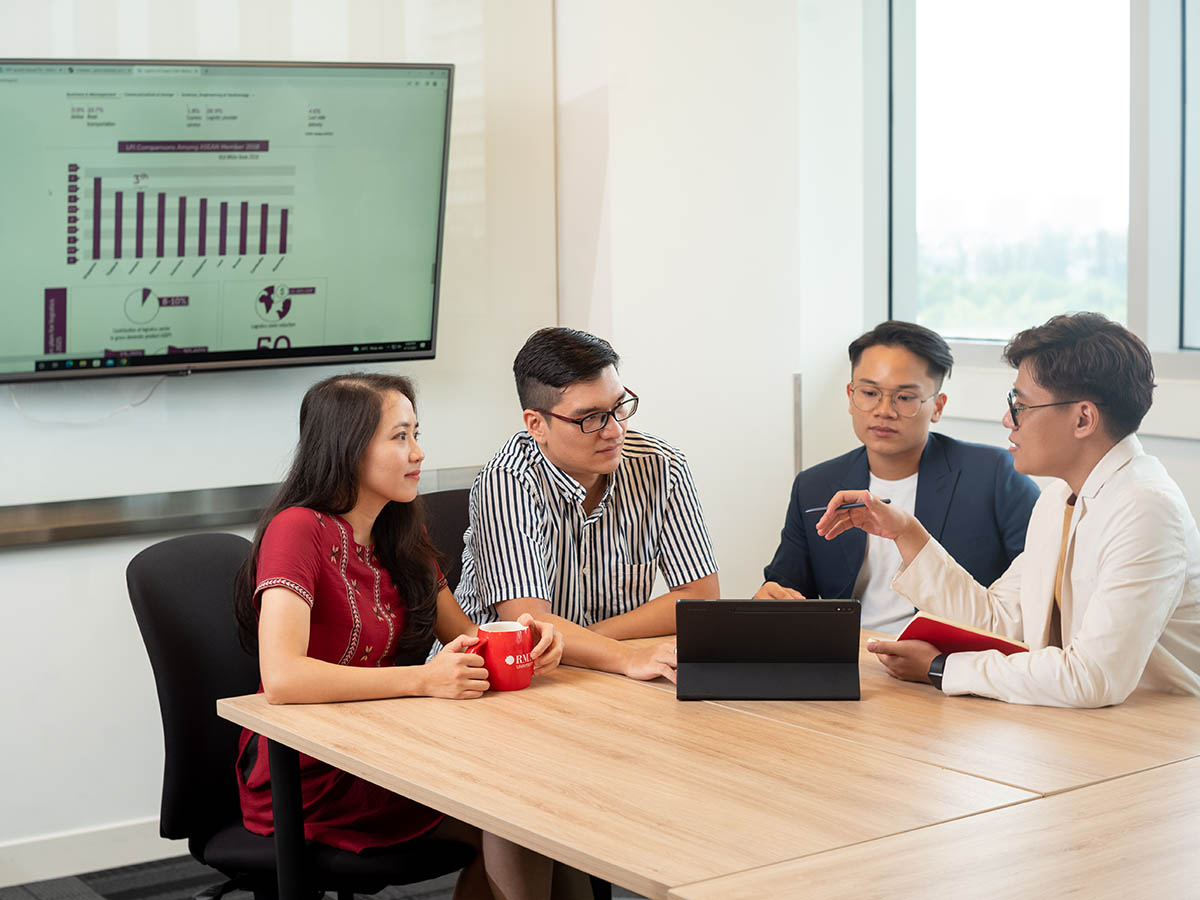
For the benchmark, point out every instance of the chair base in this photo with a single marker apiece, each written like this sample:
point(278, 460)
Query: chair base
point(249, 860)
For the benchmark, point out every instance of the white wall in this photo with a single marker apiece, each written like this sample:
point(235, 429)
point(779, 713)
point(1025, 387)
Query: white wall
point(712, 226)
point(81, 756)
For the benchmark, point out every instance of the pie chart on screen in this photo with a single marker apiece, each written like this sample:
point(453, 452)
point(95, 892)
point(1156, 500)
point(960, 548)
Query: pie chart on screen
point(141, 306)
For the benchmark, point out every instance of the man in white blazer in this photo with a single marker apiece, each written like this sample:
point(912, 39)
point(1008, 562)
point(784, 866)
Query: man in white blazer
point(1107, 590)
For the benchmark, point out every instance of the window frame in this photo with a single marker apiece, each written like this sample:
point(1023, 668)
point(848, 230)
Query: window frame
point(1155, 235)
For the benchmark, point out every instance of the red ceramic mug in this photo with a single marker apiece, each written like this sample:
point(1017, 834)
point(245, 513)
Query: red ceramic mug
point(505, 648)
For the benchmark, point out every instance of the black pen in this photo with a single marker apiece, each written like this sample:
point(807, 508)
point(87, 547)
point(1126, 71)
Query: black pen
point(822, 509)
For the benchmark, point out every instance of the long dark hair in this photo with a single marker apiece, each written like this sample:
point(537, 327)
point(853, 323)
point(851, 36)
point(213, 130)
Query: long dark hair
point(338, 418)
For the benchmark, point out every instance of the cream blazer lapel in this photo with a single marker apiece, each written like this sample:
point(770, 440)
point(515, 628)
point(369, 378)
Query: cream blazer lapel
point(1092, 518)
point(1040, 563)
point(1044, 538)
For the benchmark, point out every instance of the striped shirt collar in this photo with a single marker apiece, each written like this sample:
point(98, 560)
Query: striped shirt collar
point(568, 486)
point(529, 537)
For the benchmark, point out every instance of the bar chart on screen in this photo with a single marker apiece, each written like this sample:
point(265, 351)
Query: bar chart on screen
point(176, 212)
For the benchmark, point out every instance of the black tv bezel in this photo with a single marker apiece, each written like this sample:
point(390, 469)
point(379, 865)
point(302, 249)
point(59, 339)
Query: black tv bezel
point(237, 360)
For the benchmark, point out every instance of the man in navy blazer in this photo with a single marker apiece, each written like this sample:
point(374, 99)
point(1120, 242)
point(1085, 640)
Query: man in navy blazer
point(968, 496)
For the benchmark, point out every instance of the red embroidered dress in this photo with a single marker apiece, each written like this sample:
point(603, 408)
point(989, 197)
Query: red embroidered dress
point(357, 620)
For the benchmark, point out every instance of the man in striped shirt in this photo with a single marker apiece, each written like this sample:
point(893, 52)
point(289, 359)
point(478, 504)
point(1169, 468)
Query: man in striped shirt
point(573, 517)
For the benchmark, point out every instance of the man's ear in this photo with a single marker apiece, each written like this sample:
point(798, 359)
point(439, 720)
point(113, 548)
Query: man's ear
point(1088, 422)
point(535, 424)
point(939, 403)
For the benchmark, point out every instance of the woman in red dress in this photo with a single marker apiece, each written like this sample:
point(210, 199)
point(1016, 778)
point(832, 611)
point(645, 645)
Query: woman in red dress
point(341, 579)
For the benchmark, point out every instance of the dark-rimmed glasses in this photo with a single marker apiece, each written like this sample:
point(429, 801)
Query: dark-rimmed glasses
point(906, 403)
point(596, 421)
point(1014, 408)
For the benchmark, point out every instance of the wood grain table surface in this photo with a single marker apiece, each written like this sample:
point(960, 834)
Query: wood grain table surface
point(1134, 836)
point(624, 781)
point(1039, 749)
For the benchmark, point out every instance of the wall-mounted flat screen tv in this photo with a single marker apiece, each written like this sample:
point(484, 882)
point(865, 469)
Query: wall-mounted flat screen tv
point(182, 216)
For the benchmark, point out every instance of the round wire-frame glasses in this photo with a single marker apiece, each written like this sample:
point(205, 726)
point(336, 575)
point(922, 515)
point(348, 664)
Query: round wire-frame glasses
point(906, 403)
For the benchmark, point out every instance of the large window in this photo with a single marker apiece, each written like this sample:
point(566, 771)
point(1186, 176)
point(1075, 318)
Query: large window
point(1191, 183)
point(1010, 165)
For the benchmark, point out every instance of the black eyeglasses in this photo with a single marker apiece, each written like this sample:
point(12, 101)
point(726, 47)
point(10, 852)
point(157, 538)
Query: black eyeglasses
point(596, 421)
point(1014, 408)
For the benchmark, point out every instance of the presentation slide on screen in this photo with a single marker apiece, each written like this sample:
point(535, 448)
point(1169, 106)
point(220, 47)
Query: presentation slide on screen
point(167, 210)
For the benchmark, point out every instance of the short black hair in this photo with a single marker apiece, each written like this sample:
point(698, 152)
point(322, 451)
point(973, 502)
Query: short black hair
point(917, 339)
point(555, 358)
point(1087, 356)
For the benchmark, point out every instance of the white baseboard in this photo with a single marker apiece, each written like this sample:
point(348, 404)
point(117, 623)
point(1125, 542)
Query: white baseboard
point(86, 850)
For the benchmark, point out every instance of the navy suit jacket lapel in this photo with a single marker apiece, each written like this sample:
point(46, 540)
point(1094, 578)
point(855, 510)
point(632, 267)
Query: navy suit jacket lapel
point(935, 487)
point(855, 477)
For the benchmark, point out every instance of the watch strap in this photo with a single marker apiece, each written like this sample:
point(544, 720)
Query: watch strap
point(936, 669)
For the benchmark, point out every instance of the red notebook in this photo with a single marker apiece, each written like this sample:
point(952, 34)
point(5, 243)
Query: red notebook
point(953, 637)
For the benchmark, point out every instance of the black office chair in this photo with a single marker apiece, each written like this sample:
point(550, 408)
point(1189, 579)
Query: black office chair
point(182, 595)
point(447, 514)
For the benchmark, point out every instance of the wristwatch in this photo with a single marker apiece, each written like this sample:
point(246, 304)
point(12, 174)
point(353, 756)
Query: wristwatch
point(936, 668)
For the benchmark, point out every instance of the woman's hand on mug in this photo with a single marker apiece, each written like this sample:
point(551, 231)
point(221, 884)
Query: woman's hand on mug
point(548, 649)
point(456, 674)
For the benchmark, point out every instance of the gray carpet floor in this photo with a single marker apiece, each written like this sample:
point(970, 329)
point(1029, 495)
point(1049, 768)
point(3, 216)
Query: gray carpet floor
point(181, 878)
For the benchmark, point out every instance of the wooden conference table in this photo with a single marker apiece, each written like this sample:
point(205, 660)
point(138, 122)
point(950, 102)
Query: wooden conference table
point(620, 779)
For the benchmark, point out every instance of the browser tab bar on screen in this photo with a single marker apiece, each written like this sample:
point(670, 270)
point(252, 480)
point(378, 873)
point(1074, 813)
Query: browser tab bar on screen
point(167, 70)
point(34, 70)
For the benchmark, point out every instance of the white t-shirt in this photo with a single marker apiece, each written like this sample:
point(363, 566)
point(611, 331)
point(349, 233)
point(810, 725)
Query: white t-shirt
point(882, 608)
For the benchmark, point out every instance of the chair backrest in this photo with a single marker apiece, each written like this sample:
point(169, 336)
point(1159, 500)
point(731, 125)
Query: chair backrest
point(446, 517)
point(182, 595)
